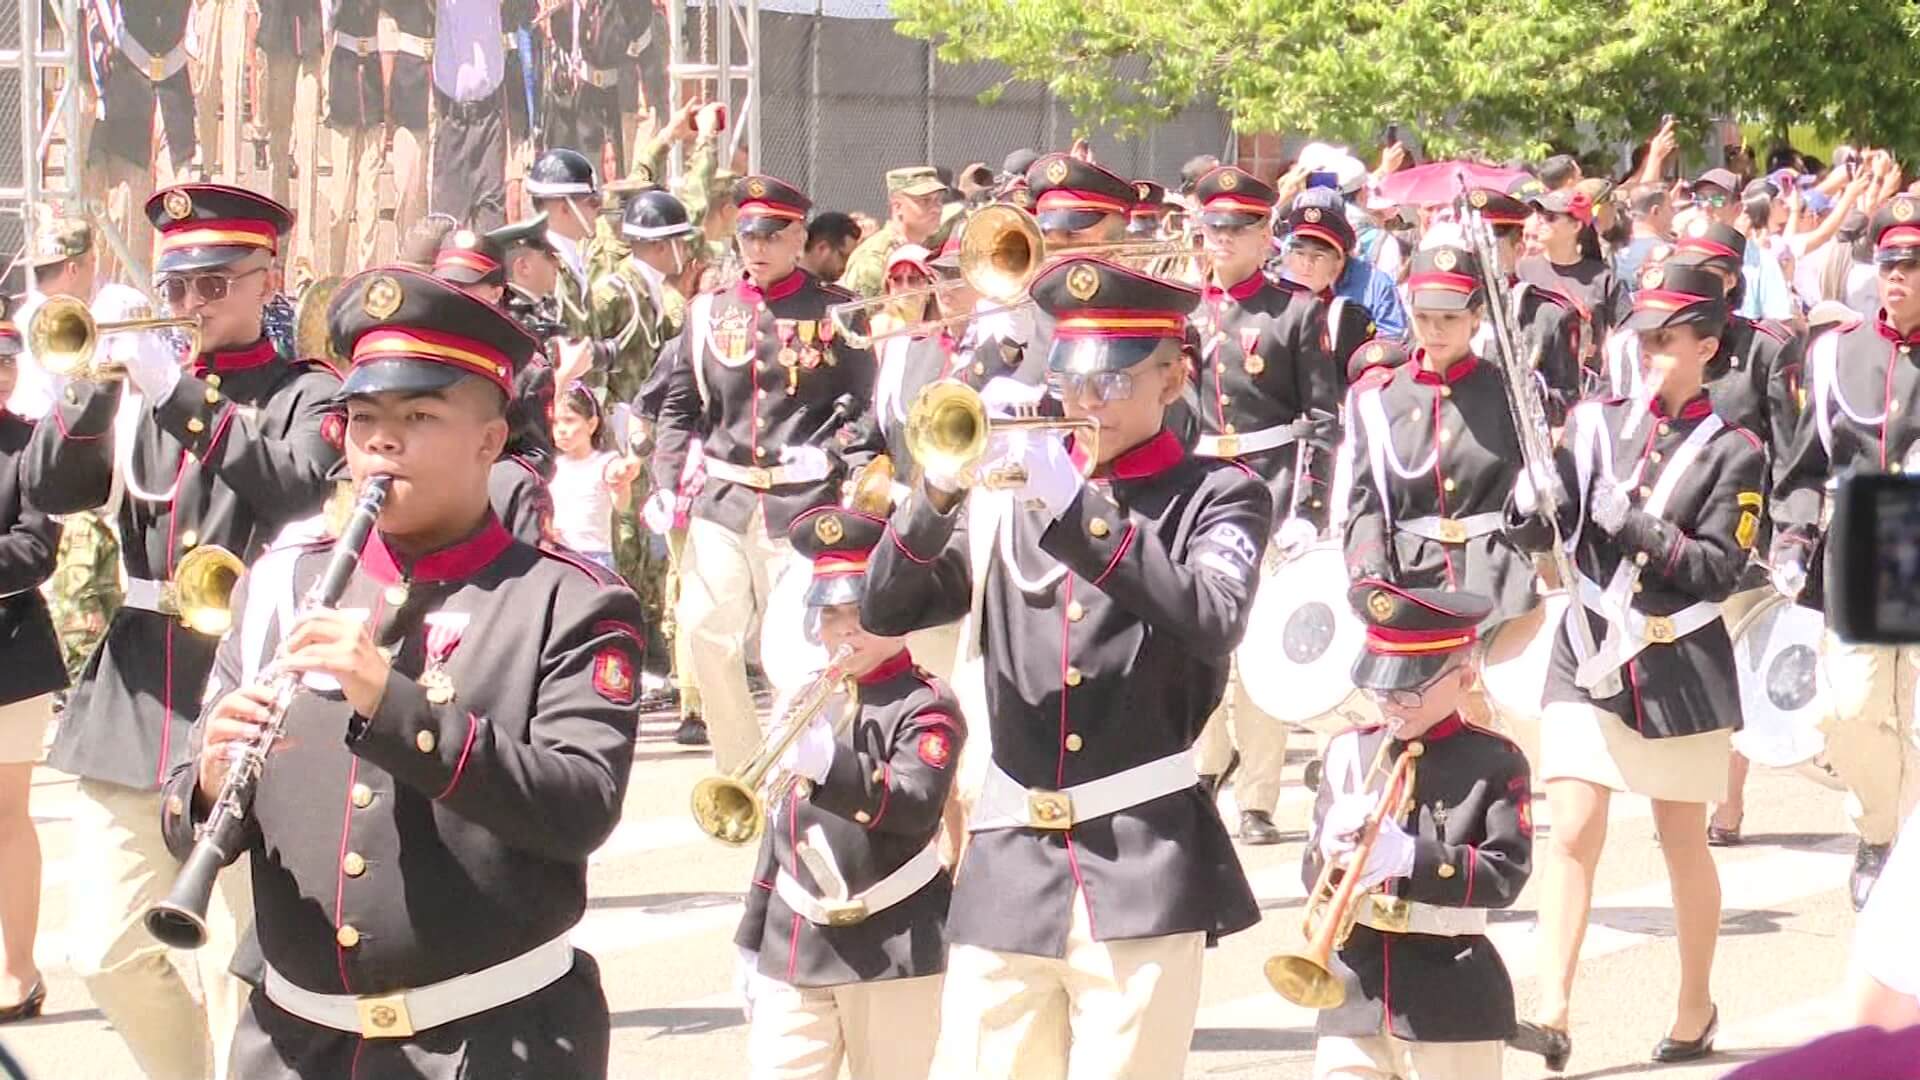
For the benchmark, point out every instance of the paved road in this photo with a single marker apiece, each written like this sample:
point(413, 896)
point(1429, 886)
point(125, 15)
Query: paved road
point(666, 900)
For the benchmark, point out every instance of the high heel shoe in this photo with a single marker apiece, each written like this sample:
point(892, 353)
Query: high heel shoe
point(29, 1006)
point(1555, 1045)
point(1673, 1050)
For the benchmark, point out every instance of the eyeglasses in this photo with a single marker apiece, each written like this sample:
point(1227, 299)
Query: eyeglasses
point(1230, 232)
point(1102, 386)
point(1309, 253)
point(1410, 699)
point(208, 287)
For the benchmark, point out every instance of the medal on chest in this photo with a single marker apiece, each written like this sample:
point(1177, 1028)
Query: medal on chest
point(1249, 344)
point(444, 629)
point(789, 357)
point(732, 334)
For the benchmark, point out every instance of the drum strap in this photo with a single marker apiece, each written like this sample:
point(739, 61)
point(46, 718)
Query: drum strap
point(1825, 363)
point(700, 318)
point(1380, 455)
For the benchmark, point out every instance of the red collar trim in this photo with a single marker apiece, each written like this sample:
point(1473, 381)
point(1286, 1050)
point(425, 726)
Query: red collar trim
point(779, 290)
point(1150, 458)
point(1704, 246)
point(1239, 292)
point(1888, 331)
point(1445, 729)
point(1698, 407)
point(1460, 369)
point(455, 562)
point(891, 668)
point(253, 356)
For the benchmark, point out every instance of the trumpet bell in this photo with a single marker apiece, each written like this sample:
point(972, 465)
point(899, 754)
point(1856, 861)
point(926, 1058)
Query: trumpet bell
point(1304, 981)
point(62, 336)
point(947, 427)
point(203, 583)
point(728, 810)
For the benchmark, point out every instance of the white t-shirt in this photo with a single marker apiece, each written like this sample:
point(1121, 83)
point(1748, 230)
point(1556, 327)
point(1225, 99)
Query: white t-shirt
point(582, 501)
point(1886, 942)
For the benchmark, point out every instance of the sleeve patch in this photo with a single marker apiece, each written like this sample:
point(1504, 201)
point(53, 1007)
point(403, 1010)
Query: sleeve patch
point(613, 675)
point(936, 748)
point(1232, 540)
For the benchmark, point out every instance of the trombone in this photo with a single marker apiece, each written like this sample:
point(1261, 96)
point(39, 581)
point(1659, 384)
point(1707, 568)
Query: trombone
point(1001, 251)
point(949, 430)
point(65, 338)
point(730, 807)
point(1307, 978)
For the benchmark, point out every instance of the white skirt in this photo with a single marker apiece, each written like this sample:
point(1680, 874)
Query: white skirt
point(1581, 742)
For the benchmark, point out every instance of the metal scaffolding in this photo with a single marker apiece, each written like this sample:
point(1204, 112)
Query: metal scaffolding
point(725, 38)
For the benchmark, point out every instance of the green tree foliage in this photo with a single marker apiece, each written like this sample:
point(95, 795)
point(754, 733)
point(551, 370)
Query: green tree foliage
point(1505, 78)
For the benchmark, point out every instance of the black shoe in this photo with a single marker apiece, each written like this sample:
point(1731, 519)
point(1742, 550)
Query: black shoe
point(1210, 786)
point(29, 1007)
point(693, 732)
point(1671, 1051)
point(1310, 776)
point(1552, 1044)
point(1867, 863)
point(1723, 837)
point(1256, 827)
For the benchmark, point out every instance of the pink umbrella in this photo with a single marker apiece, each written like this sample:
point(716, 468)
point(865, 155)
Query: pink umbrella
point(1441, 182)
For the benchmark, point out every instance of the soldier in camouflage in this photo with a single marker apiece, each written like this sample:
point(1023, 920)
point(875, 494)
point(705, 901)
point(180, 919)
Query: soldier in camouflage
point(85, 589)
point(915, 196)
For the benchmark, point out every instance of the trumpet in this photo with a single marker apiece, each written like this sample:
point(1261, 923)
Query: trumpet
point(1001, 251)
point(1306, 978)
point(730, 807)
point(65, 337)
point(949, 430)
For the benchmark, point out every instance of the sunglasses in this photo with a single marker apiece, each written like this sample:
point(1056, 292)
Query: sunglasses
point(1231, 231)
point(1102, 386)
point(208, 287)
point(1716, 200)
point(1410, 699)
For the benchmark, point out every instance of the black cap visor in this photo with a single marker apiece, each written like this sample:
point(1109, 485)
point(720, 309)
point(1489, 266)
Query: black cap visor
point(1230, 219)
point(761, 224)
point(207, 257)
point(398, 376)
point(1085, 356)
point(1443, 300)
point(1069, 220)
point(835, 590)
point(1398, 671)
point(1706, 316)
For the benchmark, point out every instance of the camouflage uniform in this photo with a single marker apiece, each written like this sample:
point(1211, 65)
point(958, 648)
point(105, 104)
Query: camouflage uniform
point(85, 589)
point(866, 273)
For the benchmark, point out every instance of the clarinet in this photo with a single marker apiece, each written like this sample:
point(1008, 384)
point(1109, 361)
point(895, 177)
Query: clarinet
point(180, 921)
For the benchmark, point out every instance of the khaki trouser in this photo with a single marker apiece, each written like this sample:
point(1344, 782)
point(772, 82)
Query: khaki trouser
point(1114, 1010)
point(724, 584)
point(682, 641)
point(1263, 747)
point(122, 869)
point(366, 183)
point(217, 79)
point(290, 108)
point(1867, 748)
point(882, 1030)
point(1385, 1057)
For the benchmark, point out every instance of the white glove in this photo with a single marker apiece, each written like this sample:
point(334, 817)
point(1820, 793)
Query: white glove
point(153, 364)
point(1053, 480)
point(1004, 396)
point(1789, 578)
point(574, 358)
point(746, 972)
point(1295, 536)
point(805, 464)
point(1393, 848)
point(1608, 506)
point(811, 755)
point(657, 512)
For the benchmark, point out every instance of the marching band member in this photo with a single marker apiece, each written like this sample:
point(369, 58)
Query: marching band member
point(1100, 613)
point(756, 375)
point(1319, 244)
point(1665, 507)
point(1268, 394)
point(1147, 219)
point(909, 365)
point(1549, 321)
point(844, 936)
point(477, 755)
point(224, 450)
point(1862, 390)
point(1426, 992)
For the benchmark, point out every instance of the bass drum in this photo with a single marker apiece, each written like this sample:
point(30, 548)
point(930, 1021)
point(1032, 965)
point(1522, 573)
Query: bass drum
point(789, 654)
point(1296, 661)
point(1783, 689)
point(1518, 656)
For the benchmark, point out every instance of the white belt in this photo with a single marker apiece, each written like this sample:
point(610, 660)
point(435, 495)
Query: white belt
point(402, 1013)
point(1641, 630)
point(1250, 442)
point(599, 77)
point(359, 46)
point(399, 41)
point(888, 891)
point(1005, 804)
point(754, 476)
point(1453, 530)
point(155, 68)
point(144, 594)
point(1392, 915)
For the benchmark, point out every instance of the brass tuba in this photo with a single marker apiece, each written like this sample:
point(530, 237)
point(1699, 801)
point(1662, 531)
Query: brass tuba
point(65, 338)
point(950, 431)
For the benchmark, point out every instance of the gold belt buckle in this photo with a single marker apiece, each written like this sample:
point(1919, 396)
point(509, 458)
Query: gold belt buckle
point(157, 68)
point(1229, 445)
point(1050, 810)
point(1392, 914)
point(759, 476)
point(361, 47)
point(169, 601)
point(845, 912)
point(1452, 531)
point(1660, 630)
point(384, 1016)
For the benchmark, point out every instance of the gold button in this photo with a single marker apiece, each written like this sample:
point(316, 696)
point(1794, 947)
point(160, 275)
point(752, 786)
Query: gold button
point(1645, 491)
point(1098, 528)
point(763, 421)
point(1446, 870)
point(759, 451)
point(1666, 428)
point(213, 378)
point(396, 594)
point(347, 936)
point(879, 775)
point(1075, 742)
point(1655, 456)
point(1640, 558)
point(1446, 391)
point(761, 394)
point(353, 864)
point(213, 396)
point(1226, 429)
point(1225, 400)
point(73, 394)
point(189, 538)
point(1075, 612)
point(175, 806)
point(1447, 484)
point(862, 816)
point(1639, 586)
point(426, 742)
point(979, 369)
point(195, 426)
point(1219, 366)
point(362, 796)
point(1445, 436)
point(1073, 676)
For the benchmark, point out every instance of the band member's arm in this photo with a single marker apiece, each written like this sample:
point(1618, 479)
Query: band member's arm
point(1312, 862)
point(1491, 873)
point(227, 439)
point(68, 466)
point(1705, 559)
point(1322, 385)
point(1367, 533)
point(1783, 405)
point(682, 415)
point(753, 921)
point(1559, 367)
point(555, 794)
point(905, 791)
point(856, 442)
point(1527, 529)
point(27, 547)
point(1798, 487)
point(919, 575)
point(1202, 594)
point(521, 500)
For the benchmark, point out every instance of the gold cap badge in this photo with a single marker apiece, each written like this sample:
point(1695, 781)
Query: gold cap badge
point(828, 529)
point(756, 188)
point(1083, 282)
point(1477, 199)
point(466, 239)
point(1312, 214)
point(1057, 171)
point(1376, 352)
point(1902, 210)
point(1229, 180)
point(1655, 277)
point(1444, 260)
point(1381, 605)
point(178, 205)
point(383, 298)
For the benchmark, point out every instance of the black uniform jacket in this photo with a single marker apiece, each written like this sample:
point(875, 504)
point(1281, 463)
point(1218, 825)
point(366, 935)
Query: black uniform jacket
point(449, 837)
point(1462, 414)
point(1117, 659)
point(241, 447)
point(1694, 551)
point(746, 413)
point(920, 362)
point(1550, 324)
point(521, 499)
point(879, 807)
point(1472, 823)
point(32, 662)
point(1264, 362)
